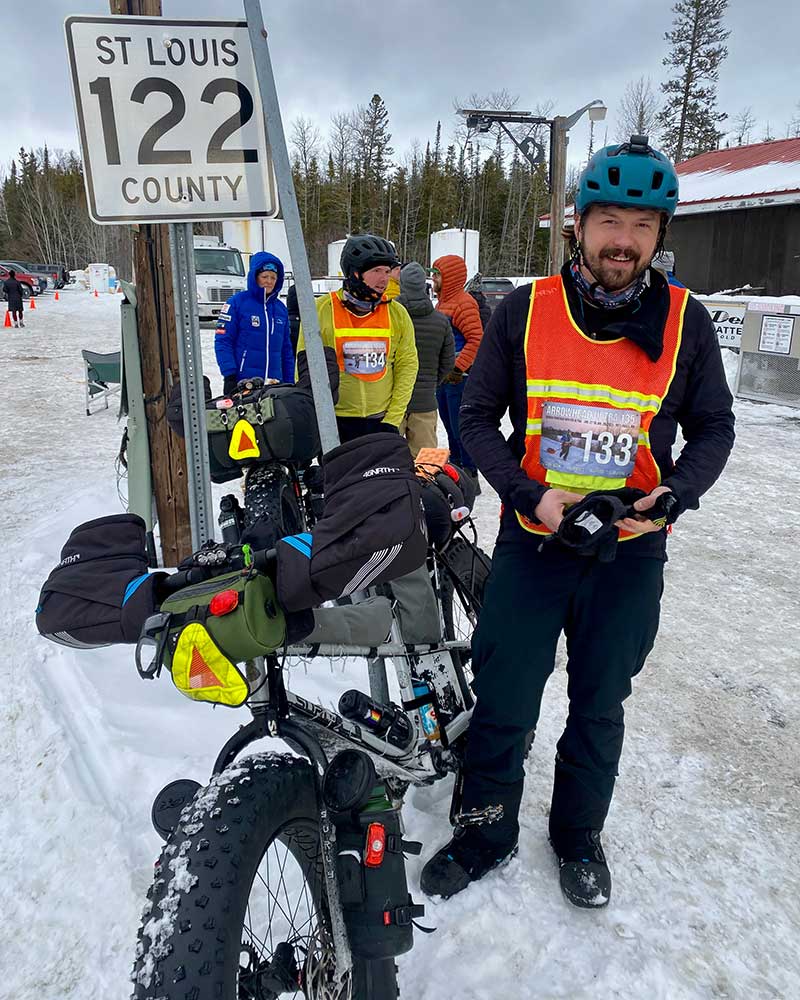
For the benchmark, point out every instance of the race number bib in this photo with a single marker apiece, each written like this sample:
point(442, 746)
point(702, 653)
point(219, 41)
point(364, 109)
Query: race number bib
point(364, 357)
point(589, 440)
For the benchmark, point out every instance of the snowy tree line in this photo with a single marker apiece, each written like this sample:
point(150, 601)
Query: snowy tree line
point(352, 179)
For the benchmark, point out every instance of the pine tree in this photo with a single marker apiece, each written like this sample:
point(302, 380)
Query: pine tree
point(689, 119)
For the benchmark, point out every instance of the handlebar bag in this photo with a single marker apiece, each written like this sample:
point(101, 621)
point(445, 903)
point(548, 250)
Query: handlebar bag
point(372, 529)
point(100, 593)
point(276, 423)
point(215, 625)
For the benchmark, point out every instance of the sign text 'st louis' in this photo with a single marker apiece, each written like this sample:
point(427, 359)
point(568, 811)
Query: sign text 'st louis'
point(170, 119)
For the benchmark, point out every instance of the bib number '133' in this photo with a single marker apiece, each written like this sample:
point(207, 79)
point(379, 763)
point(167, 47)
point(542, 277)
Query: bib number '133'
point(170, 120)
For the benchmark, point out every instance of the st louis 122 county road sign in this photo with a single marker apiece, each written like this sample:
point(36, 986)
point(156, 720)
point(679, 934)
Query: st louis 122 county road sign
point(170, 120)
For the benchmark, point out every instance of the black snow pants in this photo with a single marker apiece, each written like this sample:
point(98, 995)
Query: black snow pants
point(609, 613)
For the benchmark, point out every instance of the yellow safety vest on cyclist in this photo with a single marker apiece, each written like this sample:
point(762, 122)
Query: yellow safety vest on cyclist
point(591, 402)
point(376, 354)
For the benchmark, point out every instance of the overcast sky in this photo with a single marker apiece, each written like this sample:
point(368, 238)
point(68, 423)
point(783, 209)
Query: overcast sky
point(331, 56)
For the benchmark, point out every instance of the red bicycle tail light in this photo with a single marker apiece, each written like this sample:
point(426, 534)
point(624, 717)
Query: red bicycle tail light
point(451, 471)
point(376, 845)
point(223, 603)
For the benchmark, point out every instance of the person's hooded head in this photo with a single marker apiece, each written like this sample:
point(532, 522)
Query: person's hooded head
point(265, 277)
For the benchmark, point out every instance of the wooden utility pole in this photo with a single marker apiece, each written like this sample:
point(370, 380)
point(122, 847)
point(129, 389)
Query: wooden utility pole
point(158, 350)
point(558, 183)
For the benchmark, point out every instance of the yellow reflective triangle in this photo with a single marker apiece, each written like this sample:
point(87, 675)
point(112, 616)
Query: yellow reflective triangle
point(202, 672)
point(243, 441)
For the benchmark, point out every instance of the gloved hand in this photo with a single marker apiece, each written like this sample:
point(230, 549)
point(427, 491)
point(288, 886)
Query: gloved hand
point(453, 377)
point(389, 428)
point(229, 384)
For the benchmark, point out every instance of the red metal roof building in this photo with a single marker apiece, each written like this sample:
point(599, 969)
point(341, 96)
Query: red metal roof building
point(738, 219)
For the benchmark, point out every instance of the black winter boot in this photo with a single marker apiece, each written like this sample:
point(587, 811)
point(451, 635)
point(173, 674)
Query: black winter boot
point(583, 872)
point(466, 858)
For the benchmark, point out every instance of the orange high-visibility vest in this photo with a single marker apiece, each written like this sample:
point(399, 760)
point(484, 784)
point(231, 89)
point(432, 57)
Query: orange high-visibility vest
point(362, 343)
point(591, 402)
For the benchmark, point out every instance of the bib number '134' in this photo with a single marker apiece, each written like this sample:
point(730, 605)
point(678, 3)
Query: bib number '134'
point(170, 120)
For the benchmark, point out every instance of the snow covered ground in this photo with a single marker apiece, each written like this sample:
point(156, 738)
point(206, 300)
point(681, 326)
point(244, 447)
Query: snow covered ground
point(703, 833)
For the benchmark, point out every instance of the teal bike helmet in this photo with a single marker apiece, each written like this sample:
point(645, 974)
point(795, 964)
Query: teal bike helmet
point(633, 175)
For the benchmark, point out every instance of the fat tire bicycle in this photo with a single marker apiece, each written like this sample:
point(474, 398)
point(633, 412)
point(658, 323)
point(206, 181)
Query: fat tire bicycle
point(245, 903)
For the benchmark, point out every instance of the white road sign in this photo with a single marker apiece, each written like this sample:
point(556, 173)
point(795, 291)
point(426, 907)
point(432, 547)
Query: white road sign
point(170, 120)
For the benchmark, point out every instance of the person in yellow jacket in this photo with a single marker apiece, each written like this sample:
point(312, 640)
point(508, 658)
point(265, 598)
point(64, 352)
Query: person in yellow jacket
point(393, 288)
point(371, 338)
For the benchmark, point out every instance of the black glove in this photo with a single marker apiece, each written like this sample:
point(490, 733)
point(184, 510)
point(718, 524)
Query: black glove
point(453, 377)
point(229, 384)
point(389, 428)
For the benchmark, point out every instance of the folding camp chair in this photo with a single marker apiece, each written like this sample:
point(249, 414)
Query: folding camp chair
point(103, 377)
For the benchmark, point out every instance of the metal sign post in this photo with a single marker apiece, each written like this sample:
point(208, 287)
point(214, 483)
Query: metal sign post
point(318, 370)
point(184, 284)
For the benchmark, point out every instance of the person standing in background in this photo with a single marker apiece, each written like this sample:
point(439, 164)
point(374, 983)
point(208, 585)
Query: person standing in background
point(393, 288)
point(13, 293)
point(449, 276)
point(369, 339)
point(436, 352)
point(252, 337)
point(475, 289)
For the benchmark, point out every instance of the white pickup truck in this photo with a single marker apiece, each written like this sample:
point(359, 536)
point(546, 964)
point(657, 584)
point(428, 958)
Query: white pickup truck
point(220, 273)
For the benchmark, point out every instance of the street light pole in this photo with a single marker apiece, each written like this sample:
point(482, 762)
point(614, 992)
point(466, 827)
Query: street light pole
point(483, 119)
point(558, 184)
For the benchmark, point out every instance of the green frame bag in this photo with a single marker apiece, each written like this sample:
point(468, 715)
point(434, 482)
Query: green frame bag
point(204, 643)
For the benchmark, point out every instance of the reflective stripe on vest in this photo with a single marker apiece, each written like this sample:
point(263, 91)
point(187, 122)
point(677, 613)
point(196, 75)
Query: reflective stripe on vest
point(591, 402)
point(363, 343)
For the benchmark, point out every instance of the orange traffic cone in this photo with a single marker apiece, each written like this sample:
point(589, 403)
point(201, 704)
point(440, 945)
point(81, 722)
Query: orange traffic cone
point(56, 298)
point(33, 303)
point(95, 294)
point(8, 319)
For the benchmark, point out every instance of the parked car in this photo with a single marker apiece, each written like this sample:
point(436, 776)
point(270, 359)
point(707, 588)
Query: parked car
point(30, 283)
point(496, 289)
point(23, 267)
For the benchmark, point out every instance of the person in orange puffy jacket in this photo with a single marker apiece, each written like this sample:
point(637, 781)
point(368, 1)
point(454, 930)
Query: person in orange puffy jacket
point(449, 277)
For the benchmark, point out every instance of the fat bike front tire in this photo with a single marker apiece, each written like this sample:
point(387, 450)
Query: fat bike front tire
point(238, 909)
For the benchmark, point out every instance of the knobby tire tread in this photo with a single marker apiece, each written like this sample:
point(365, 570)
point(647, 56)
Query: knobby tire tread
point(189, 941)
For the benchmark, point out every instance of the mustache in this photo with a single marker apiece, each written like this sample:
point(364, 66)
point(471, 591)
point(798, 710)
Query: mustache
point(619, 252)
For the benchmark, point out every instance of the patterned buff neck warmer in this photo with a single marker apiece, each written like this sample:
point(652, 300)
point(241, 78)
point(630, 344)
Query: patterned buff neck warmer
point(595, 295)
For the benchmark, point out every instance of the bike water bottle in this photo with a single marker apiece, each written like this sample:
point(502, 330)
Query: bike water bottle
point(427, 713)
point(387, 721)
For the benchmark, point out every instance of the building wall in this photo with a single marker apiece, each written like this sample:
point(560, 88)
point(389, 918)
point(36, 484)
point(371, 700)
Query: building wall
point(755, 246)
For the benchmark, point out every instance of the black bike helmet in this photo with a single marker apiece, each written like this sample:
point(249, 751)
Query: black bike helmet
point(364, 251)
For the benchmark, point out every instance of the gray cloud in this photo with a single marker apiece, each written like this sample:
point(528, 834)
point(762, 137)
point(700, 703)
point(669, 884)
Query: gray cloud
point(419, 57)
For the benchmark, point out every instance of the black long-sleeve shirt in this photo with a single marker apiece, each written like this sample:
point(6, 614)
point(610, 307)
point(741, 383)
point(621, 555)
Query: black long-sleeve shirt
point(698, 400)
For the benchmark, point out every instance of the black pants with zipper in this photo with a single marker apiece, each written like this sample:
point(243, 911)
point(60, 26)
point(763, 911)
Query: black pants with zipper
point(609, 613)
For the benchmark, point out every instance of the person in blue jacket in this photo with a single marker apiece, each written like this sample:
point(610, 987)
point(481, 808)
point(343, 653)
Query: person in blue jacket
point(252, 338)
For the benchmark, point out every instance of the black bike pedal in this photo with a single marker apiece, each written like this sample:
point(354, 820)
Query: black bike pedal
point(169, 803)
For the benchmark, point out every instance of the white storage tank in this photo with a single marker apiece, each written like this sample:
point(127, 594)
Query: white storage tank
point(462, 242)
point(334, 258)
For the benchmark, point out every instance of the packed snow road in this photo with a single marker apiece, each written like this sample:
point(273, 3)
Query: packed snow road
point(702, 835)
